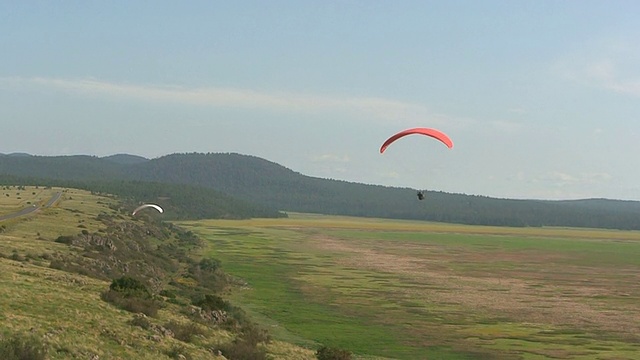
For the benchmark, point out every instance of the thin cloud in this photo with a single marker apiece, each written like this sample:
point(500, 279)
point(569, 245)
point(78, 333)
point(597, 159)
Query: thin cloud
point(517, 110)
point(331, 158)
point(625, 87)
point(507, 126)
point(390, 175)
point(606, 73)
point(223, 97)
point(610, 66)
point(561, 179)
point(596, 178)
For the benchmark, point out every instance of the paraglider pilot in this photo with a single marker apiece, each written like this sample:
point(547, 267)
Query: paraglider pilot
point(420, 195)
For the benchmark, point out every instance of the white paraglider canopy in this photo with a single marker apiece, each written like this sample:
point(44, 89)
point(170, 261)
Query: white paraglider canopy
point(144, 206)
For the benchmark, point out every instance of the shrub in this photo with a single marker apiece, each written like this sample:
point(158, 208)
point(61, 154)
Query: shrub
point(130, 287)
point(211, 303)
point(206, 272)
point(246, 345)
point(327, 353)
point(238, 320)
point(16, 257)
point(141, 321)
point(64, 239)
point(188, 238)
point(242, 349)
point(177, 301)
point(209, 264)
point(178, 352)
point(148, 307)
point(184, 332)
point(132, 295)
point(22, 347)
point(254, 335)
point(57, 264)
point(167, 293)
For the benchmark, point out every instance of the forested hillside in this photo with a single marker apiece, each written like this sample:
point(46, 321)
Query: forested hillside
point(267, 187)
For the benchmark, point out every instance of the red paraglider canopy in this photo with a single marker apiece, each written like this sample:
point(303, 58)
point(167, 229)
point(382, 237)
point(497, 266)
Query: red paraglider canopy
point(423, 131)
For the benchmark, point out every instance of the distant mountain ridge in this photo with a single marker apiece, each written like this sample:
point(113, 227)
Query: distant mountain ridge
point(266, 184)
point(126, 159)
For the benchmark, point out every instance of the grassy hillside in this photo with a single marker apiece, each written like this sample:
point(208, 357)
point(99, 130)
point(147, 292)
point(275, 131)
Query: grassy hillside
point(56, 268)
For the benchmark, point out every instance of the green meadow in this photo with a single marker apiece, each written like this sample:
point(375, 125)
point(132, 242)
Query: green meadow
point(418, 290)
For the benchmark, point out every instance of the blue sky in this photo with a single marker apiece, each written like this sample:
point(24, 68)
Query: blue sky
point(541, 98)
